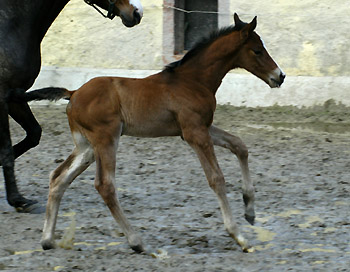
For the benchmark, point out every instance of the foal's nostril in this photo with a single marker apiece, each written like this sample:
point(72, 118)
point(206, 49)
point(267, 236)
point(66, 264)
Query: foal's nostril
point(282, 77)
point(137, 16)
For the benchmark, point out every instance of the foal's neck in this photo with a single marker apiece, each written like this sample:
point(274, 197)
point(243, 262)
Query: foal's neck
point(214, 62)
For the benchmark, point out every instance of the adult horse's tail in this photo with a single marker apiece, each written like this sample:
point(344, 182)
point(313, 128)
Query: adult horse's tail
point(50, 93)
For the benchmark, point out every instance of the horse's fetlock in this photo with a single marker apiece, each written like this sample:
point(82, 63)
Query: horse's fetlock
point(248, 196)
point(6, 163)
point(246, 199)
point(33, 138)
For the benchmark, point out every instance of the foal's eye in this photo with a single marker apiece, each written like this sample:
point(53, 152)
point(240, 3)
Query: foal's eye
point(257, 52)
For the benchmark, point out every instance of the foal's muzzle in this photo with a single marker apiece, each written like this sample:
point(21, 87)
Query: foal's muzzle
point(276, 78)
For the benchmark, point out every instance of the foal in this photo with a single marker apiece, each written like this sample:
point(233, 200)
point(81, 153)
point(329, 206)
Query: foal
point(178, 101)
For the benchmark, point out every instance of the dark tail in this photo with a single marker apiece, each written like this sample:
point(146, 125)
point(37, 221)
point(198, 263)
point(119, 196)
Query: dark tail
point(50, 93)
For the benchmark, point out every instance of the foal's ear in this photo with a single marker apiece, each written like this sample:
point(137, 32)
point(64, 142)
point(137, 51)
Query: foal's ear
point(248, 29)
point(253, 24)
point(236, 19)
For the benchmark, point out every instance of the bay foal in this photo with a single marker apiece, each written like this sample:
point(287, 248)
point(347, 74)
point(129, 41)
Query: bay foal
point(178, 101)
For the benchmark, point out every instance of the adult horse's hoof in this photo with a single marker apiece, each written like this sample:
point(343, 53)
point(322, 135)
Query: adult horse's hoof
point(30, 206)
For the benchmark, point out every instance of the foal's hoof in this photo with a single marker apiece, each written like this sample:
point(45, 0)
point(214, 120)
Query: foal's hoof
point(250, 218)
point(48, 244)
point(243, 243)
point(135, 242)
point(138, 248)
point(249, 250)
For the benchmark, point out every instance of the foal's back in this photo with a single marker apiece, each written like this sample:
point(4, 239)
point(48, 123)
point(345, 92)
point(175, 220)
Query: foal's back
point(148, 107)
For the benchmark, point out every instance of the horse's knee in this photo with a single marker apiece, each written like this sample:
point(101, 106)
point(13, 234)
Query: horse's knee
point(241, 150)
point(55, 189)
point(105, 190)
point(217, 183)
point(58, 183)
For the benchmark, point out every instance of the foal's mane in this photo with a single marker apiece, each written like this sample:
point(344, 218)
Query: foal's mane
point(204, 43)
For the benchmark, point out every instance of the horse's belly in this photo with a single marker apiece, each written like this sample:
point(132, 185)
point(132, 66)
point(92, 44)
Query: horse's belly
point(18, 67)
point(151, 129)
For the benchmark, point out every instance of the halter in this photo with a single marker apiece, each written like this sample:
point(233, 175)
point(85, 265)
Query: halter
point(110, 14)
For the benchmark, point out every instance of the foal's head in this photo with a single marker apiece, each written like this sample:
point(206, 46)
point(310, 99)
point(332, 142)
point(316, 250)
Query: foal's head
point(130, 11)
point(254, 57)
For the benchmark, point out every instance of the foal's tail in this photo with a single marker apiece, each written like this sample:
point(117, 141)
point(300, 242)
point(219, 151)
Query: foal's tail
point(50, 93)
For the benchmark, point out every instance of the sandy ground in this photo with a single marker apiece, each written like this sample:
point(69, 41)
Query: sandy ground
point(299, 160)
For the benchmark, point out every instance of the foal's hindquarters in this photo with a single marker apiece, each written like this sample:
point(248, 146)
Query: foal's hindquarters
point(100, 145)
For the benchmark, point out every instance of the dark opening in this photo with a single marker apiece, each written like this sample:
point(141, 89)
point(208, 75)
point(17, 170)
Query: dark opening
point(190, 27)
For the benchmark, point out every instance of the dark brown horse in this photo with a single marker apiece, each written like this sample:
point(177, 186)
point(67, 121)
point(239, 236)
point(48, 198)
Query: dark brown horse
point(179, 101)
point(23, 25)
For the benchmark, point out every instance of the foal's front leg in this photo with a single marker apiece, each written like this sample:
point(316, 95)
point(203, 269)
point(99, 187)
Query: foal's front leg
point(105, 154)
point(237, 147)
point(200, 140)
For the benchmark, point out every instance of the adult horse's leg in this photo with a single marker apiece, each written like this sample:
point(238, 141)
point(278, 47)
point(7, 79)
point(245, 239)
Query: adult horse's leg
point(105, 155)
point(23, 115)
point(7, 161)
point(236, 146)
point(80, 159)
point(200, 140)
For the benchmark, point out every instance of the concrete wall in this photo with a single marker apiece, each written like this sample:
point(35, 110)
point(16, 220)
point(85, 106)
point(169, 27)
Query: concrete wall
point(81, 37)
point(306, 37)
point(236, 89)
point(309, 39)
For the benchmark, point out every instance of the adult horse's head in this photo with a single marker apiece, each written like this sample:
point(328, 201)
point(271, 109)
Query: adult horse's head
point(130, 11)
point(254, 57)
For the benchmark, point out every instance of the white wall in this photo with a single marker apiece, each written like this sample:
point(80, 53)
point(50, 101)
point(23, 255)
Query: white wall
point(81, 37)
point(236, 89)
point(308, 38)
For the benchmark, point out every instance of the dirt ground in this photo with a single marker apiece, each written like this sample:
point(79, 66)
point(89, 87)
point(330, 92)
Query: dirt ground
point(299, 160)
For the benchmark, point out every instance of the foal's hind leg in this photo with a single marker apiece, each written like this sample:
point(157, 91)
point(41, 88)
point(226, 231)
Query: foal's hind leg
point(81, 157)
point(236, 146)
point(105, 153)
point(200, 140)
